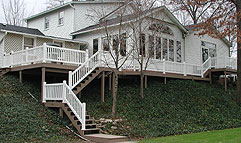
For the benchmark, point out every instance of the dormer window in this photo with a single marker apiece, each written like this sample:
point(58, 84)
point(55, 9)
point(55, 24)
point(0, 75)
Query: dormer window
point(46, 23)
point(61, 18)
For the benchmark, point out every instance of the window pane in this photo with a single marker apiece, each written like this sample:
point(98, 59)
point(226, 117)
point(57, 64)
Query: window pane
point(95, 46)
point(164, 47)
point(158, 48)
point(61, 18)
point(46, 23)
point(106, 44)
point(58, 44)
point(179, 51)
point(142, 45)
point(115, 43)
point(151, 46)
point(171, 50)
point(204, 54)
point(28, 42)
point(123, 45)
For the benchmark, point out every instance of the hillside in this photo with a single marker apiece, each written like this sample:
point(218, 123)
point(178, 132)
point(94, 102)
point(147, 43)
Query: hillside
point(23, 119)
point(179, 107)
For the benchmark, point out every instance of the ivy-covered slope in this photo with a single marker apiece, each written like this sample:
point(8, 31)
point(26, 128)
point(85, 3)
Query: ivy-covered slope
point(23, 119)
point(179, 107)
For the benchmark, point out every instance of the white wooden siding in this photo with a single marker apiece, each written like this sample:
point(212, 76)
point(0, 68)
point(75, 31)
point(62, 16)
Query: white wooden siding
point(55, 29)
point(1, 49)
point(83, 13)
point(193, 50)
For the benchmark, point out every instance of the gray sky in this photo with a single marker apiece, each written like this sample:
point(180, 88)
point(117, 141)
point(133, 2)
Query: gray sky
point(32, 7)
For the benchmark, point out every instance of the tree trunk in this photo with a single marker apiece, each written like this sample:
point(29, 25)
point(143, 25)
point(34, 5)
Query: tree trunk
point(239, 52)
point(115, 89)
point(142, 84)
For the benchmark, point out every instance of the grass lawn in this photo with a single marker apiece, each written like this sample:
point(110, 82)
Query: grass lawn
point(221, 136)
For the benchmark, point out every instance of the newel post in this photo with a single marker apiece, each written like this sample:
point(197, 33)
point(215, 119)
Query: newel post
point(164, 66)
point(44, 92)
point(64, 91)
point(87, 56)
point(44, 52)
point(210, 62)
point(70, 79)
point(27, 55)
point(83, 115)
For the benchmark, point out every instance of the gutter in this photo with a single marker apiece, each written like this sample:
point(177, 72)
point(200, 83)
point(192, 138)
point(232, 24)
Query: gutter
point(4, 36)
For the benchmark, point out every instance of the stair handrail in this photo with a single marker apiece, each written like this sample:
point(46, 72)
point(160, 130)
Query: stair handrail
point(78, 108)
point(209, 66)
point(84, 70)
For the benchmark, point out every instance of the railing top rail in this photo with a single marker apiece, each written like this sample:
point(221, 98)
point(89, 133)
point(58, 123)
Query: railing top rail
point(85, 63)
point(67, 49)
point(71, 92)
point(54, 84)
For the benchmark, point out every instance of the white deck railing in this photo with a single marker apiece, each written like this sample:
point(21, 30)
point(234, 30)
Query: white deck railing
point(84, 70)
point(44, 54)
point(64, 93)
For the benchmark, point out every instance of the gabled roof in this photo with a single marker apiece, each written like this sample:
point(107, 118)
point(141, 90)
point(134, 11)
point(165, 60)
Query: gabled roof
point(193, 27)
point(20, 29)
point(31, 32)
point(128, 18)
point(70, 4)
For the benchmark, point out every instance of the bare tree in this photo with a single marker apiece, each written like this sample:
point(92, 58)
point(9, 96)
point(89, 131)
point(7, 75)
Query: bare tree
point(225, 20)
point(196, 10)
point(14, 11)
point(143, 48)
point(54, 3)
point(114, 46)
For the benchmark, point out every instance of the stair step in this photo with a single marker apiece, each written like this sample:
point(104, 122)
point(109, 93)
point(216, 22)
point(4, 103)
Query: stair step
point(89, 126)
point(91, 131)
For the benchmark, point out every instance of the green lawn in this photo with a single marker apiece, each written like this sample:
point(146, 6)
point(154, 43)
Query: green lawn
point(221, 136)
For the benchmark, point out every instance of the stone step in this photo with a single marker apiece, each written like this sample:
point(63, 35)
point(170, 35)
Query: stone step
point(103, 138)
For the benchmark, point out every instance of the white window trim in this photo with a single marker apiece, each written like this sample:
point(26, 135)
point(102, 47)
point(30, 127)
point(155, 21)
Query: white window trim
point(63, 42)
point(59, 18)
point(34, 41)
point(45, 23)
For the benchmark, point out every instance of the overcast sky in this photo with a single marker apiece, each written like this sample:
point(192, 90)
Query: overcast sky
point(32, 7)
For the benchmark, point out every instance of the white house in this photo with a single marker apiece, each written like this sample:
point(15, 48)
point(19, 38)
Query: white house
point(65, 19)
point(80, 39)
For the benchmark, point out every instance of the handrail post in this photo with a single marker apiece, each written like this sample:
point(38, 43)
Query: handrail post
point(26, 55)
point(44, 52)
point(164, 66)
point(210, 63)
point(64, 91)
point(184, 70)
point(44, 92)
point(83, 115)
point(11, 59)
point(70, 79)
point(87, 56)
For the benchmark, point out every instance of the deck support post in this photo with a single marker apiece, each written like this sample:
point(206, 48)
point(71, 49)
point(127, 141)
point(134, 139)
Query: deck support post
point(210, 77)
point(61, 112)
point(165, 80)
point(146, 81)
point(225, 81)
point(103, 87)
point(110, 82)
point(21, 76)
point(43, 80)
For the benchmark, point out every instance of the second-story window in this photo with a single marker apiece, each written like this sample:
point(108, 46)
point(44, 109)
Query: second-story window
point(61, 18)
point(46, 23)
